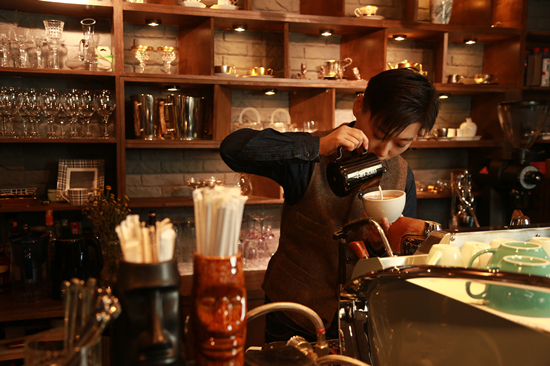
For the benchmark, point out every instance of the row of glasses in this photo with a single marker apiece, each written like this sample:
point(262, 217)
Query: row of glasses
point(73, 105)
point(257, 241)
point(17, 44)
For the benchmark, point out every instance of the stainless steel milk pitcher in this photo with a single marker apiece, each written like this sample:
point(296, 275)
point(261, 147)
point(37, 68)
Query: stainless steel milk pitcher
point(189, 115)
point(144, 119)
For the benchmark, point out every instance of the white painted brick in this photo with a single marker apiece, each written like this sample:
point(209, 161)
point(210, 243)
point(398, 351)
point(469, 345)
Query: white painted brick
point(182, 191)
point(133, 180)
point(160, 180)
point(162, 154)
point(248, 37)
point(322, 53)
point(231, 48)
point(136, 192)
point(216, 166)
point(140, 167)
point(171, 167)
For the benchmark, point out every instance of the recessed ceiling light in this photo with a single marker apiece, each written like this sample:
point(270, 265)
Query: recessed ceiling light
point(270, 91)
point(153, 22)
point(399, 37)
point(470, 40)
point(444, 96)
point(172, 87)
point(326, 32)
point(239, 27)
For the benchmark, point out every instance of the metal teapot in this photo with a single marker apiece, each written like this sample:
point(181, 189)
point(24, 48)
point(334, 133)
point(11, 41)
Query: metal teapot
point(406, 64)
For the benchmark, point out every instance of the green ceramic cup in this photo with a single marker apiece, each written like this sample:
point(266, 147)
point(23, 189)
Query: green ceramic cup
point(525, 265)
point(521, 248)
point(514, 300)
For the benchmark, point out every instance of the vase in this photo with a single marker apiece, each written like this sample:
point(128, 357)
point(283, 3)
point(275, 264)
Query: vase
point(218, 310)
point(112, 253)
point(440, 11)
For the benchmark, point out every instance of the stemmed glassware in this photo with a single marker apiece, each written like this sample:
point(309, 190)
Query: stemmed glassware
point(49, 102)
point(29, 109)
point(142, 54)
point(85, 112)
point(168, 54)
point(54, 32)
point(104, 104)
point(4, 45)
point(19, 40)
point(71, 106)
point(62, 116)
point(36, 41)
point(8, 109)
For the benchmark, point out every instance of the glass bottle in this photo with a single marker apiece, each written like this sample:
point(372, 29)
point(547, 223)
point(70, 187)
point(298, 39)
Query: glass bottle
point(86, 58)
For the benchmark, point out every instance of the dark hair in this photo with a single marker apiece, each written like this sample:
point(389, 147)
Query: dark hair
point(398, 98)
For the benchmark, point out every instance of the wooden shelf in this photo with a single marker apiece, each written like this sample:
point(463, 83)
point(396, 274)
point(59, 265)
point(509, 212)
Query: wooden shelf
point(12, 311)
point(74, 8)
point(246, 83)
point(36, 206)
point(58, 141)
point(188, 201)
point(53, 74)
point(172, 144)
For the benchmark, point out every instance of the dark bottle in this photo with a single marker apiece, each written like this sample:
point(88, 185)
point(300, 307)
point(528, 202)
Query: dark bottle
point(5, 263)
point(152, 218)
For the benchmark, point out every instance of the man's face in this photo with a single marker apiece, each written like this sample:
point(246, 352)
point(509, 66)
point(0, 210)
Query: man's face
point(384, 149)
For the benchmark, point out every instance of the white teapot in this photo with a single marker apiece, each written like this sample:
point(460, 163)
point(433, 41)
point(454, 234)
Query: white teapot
point(469, 128)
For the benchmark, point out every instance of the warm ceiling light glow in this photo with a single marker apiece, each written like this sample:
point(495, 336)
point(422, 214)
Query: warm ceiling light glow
point(326, 32)
point(400, 37)
point(239, 28)
point(172, 87)
point(153, 22)
point(444, 96)
point(270, 91)
point(470, 40)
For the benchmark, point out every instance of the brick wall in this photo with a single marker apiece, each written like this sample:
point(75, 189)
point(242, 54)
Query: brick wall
point(538, 15)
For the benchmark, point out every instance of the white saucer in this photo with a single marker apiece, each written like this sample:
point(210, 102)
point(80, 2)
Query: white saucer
point(443, 138)
point(224, 74)
point(373, 17)
point(224, 7)
point(464, 138)
point(193, 4)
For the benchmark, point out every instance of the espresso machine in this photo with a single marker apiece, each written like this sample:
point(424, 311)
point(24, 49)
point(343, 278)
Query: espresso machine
point(513, 179)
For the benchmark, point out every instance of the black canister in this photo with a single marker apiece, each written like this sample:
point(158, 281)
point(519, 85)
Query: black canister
point(346, 175)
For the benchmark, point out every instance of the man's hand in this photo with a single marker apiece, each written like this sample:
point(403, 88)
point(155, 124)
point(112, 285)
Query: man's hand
point(349, 138)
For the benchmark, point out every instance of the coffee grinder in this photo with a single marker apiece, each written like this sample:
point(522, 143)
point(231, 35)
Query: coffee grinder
point(513, 179)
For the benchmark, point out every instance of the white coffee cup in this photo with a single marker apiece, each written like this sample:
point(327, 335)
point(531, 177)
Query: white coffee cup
point(227, 2)
point(391, 206)
point(451, 132)
point(445, 255)
point(495, 243)
point(470, 248)
point(543, 241)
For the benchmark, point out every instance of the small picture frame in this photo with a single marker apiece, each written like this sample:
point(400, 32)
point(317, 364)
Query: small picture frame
point(79, 174)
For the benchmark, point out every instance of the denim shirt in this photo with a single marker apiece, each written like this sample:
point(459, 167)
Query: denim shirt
point(288, 159)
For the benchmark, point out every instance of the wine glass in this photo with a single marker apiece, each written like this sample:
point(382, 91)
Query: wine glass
point(49, 102)
point(4, 45)
point(54, 32)
point(62, 115)
point(104, 104)
point(19, 40)
point(71, 106)
point(35, 42)
point(168, 54)
point(85, 112)
point(30, 112)
point(142, 54)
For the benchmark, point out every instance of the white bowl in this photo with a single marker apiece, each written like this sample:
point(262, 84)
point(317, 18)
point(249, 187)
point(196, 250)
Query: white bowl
point(390, 207)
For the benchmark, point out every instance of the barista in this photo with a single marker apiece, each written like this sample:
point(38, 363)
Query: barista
point(395, 106)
